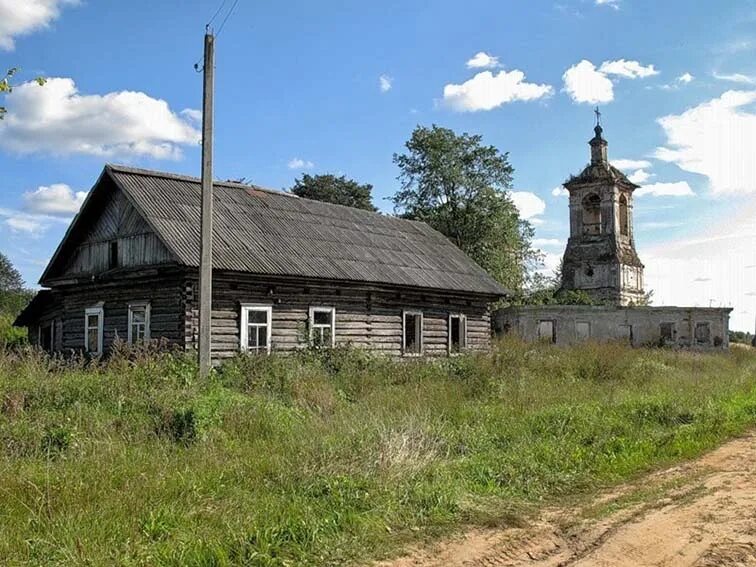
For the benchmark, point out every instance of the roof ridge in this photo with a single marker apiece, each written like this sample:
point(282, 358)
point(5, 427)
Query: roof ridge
point(192, 179)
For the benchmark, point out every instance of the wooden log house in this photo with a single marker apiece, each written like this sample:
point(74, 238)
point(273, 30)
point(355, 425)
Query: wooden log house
point(287, 272)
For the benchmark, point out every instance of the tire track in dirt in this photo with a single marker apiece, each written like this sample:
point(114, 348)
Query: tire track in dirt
point(700, 514)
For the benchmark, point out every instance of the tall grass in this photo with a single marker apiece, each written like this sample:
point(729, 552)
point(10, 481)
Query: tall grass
point(332, 458)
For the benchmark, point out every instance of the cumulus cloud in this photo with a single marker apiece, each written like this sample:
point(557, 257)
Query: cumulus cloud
point(299, 163)
point(585, 83)
point(627, 69)
point(486, 91)
point(678, 189)
point(529, 205)
point(685, 78)
point(26, 16)
point(610, 3)
point(640, 176)
point(716, 139)
point(56, 199)
point(560, 192)
point(548, 242)
point(57, 119)
point(483, 60)
point(629, 164)
point(718, 255)
point(385, 83)
point(192, 114)
point(33, 225)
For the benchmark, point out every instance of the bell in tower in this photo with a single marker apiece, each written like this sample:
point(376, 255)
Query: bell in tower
point(600, 258)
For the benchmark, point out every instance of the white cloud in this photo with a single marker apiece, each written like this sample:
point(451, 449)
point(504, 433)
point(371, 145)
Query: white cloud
point(587, 84)
point(718, 256)
point(628, 164)
point(716, 139)
point(192, 114)
point(529, 205)
point(56, 199)
point(678, 189)
point(627, 69)
point(57, 119)
point(483, 60)
point(736, 78)
point(584, 83)
point(25, 224)
point(640, 176)
point(560, 192)
point(545, 242)
point(385, 83)
point(685, 78)
point(611, 3)
point(299, 163)
point(32, 224)
point(21, 17)
point(486, 91)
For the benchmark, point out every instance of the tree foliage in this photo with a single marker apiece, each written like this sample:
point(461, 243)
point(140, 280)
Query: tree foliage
point(13, 298)
point(338, 190)
point(460, 187)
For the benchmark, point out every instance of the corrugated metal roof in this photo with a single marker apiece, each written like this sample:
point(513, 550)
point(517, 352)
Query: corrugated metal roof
point(270, 232)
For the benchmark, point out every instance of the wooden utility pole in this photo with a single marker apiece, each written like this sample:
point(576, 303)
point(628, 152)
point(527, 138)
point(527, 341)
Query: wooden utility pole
point(206, 229)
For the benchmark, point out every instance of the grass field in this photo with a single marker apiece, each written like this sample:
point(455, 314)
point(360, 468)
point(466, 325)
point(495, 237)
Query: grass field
point(333, 458)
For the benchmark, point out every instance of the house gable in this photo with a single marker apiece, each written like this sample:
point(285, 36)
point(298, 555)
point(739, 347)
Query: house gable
point(109, 234)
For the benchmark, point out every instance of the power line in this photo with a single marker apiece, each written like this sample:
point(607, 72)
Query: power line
point(228, 15)
point(220, 28)
point(218, 11)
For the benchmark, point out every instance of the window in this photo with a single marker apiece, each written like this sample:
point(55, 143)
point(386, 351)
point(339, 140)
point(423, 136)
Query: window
point(623, 216)
point(582, 330)
point(457, 333)
point(113, 256)
point(547, 331)
point(703, 333)
point(256, 326)
point(412, 333)
point(322, 326)
point(46, 338)
point(93, 323)
point(625, 333)
point(667, 332)
point(592, 215)
point(139, 322)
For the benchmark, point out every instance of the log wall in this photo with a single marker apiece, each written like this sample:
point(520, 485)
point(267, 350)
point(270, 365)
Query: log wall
point(365, 318)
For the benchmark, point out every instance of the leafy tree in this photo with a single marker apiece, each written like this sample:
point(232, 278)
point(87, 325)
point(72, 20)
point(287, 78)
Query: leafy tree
point(460, 187)
point(6, 86)
point(13, 293)
point(331, 189)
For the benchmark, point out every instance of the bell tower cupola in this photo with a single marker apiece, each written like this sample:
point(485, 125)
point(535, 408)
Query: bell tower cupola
point(600, 258)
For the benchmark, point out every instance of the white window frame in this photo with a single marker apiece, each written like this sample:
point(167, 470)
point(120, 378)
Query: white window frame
point(246, 308)
point(100, 312)
point(462, 336)
point(322, 309)
point(404, 333)
point(147, 309)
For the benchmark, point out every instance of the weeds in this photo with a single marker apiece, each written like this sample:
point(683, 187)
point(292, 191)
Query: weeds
point(331, 457)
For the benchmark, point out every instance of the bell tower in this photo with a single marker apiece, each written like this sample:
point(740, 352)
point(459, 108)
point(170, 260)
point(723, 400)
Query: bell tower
point(600, 258)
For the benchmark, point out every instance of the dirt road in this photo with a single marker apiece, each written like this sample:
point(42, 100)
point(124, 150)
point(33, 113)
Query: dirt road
point(701, 514)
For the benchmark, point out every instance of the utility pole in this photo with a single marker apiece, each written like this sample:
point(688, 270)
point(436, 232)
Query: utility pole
point(206, 228)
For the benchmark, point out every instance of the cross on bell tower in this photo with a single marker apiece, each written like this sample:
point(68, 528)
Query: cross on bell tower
point(600, 258)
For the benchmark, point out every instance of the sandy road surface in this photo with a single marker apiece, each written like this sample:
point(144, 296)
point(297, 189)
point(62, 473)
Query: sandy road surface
point(701, 514)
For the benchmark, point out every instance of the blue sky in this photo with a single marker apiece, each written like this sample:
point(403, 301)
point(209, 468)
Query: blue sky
point(338, 86)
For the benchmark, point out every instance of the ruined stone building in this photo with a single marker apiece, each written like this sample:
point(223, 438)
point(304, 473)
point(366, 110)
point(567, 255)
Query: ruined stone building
point(601, 261)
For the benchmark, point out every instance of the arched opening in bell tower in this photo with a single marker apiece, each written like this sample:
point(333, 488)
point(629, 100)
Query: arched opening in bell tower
point(592, 215)
point(624, 221)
